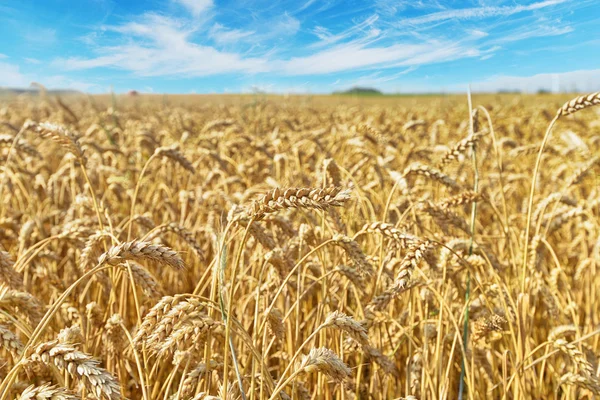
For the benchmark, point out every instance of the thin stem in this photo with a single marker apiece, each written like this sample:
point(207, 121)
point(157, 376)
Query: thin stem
point(468, 290)
point(135, 194)
point(536, 169)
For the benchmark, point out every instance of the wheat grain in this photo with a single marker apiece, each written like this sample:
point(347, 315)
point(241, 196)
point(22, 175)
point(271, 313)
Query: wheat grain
point(136, 250)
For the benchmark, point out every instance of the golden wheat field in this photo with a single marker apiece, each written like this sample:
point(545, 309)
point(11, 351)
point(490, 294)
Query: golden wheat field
point(300, 248)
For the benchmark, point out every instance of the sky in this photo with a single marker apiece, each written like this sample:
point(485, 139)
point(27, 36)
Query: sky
point(300, 46)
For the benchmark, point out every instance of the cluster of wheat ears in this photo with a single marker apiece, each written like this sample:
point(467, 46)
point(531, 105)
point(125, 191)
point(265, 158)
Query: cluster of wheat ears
point(285, 250)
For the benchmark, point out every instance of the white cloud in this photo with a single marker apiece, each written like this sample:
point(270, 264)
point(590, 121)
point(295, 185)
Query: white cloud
point(161, 46)
point(479, 12)
point(352, 56)
point(2, 56)
point(304, 6)
point(327, 38)
point(196, 7)
point(538, 31)
point(32, 60)
point(285, 25)
point(222, 35)
point(377, 79)
point(11, 76)
point(476, 33)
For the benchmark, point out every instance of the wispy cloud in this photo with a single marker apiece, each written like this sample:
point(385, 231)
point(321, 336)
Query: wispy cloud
point(306, 5)
point(352, 56)
point(478, 12)
point(164, 48)
point(326, 38)
point(196, 7)
point(538, 31)
point(222, 35)
point(376, 79)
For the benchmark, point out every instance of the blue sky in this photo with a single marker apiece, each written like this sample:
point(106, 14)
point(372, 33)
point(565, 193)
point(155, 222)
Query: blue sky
point(315, 46)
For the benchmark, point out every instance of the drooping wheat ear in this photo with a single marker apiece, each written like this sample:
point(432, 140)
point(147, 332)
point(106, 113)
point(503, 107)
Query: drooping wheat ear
point(331, 173)
point(278, 199)
point(355, 253)
point(8, 275)
point(94, 314)
point(25, 233)
point(143, 220)
point(91, 249)
point(465, 198)
point(459, 148)
point(576, 356)
point(416, 370)
point(47, 392)
point(180, 231)
point(20, 145)
point(326, 361)
point(218, 123)
point(262, 235)
point(189, 334)
point(579, 103)
point(277, 259)
point(485, 326)
point(182, 357)
point(388, 230)
point(387, 365)
point(156, 313)
point(562, 217)
point(554, 197)
point(431, 173)
point(70, 335)
point(581, 172)
point(302, 391)
point(22, 301)
point(444, 218)
point(62, 136)
point(80, 365)
point(179, 313)
point(381, 301)
point(587, 382)
point(561, 330)
point(275, 324)
point(10, 341)
point(411, 260)
point(137, 250)
point(174, 154)
point(191, 379)
point(113, 338)
point(347, 324)
point(284, 224)
point(353, 276)
point(338, 222)
point(147, 281)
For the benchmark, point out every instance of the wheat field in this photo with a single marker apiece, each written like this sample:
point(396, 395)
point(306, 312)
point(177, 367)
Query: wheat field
point(300, 248)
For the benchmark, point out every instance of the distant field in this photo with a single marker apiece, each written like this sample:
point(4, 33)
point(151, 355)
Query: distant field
point(304, 247)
